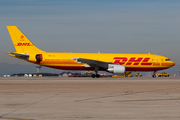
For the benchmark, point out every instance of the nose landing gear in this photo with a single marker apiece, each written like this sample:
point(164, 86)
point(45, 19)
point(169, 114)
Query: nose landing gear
point(154, 74)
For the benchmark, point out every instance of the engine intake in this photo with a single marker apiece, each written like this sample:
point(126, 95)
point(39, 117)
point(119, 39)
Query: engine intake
point(116, 69)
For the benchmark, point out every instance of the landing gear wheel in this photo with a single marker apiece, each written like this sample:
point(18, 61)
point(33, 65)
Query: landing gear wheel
point(97, 75)
point(93, 76)
point(154, 75)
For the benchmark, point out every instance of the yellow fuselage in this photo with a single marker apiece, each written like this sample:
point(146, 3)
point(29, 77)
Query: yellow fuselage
point(26, 50)
point(132, 62)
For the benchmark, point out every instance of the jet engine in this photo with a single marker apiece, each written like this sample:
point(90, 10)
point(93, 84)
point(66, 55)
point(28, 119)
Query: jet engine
point(116, 69)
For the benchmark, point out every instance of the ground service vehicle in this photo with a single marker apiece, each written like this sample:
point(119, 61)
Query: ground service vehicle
point(138, 74)
point(126, 74)
point(163, 74)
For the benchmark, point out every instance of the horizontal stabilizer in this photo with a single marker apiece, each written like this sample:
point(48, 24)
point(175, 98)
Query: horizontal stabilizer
point(21, 55)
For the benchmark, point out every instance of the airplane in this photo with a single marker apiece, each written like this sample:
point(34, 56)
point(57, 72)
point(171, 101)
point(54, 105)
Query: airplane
point(116, 63)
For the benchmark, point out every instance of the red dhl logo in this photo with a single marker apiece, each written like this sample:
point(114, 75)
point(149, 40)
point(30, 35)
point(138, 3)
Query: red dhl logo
point(24, 44)
point(132, 61)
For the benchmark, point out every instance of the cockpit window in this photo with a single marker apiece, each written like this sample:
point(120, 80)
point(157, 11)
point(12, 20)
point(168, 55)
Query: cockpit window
point(167, 60)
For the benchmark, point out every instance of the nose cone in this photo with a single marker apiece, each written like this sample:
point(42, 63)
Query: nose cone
point(172, 64)
point(168, 64)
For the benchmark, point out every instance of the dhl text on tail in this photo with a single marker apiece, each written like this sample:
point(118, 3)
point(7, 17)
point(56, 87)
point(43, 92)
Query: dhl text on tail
point(110, 62)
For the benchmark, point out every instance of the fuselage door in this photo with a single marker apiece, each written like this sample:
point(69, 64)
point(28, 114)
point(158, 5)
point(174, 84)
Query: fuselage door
point(157, 61)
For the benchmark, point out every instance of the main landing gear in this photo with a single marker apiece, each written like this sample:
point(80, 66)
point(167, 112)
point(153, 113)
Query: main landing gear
point(154, 74)
point(96, 73)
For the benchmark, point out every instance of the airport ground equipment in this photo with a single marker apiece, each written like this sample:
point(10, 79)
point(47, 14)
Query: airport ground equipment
point(88, 74)
point(163, 74)
point(35, 75)
point(126, 74)
point(138, 74)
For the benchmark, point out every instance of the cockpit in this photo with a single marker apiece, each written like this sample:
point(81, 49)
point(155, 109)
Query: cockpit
point(167, 60)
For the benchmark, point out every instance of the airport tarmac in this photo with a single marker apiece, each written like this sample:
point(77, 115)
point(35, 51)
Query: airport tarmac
point(63, 98)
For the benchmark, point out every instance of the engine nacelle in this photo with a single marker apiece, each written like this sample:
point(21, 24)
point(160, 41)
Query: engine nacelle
point(116, 69)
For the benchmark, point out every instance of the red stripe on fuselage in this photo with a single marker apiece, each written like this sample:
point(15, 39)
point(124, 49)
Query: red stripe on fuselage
point(101, 69)
point(145, 68)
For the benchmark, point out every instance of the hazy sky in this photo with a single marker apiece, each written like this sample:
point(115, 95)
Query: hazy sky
point(107, 26)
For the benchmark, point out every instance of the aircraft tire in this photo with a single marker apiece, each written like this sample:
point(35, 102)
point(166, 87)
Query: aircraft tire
point(97, 76)
point(93, 76)
point(154, 75)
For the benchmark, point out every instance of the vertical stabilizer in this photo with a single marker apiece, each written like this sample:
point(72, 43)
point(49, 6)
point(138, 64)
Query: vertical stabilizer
point(21, 43)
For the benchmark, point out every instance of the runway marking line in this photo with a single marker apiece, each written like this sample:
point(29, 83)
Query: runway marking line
point(124, 94)
point(11, 118)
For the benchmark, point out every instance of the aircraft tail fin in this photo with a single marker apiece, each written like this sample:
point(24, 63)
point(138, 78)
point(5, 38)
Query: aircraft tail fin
point(21, 43)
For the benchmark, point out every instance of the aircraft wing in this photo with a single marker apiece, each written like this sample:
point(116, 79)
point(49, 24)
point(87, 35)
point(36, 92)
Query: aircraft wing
point(93, 63)
point(20, 55)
